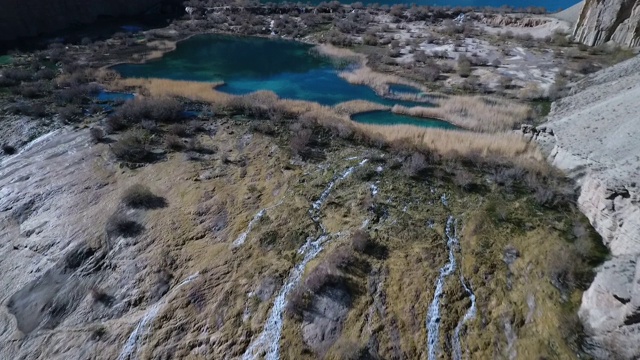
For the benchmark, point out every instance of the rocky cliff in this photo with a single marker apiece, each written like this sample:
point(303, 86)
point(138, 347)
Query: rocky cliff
point(22, 18)
point(605, 20)
point(596, 131)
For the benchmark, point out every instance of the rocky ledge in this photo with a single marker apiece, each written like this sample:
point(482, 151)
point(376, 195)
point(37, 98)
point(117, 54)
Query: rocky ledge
point(595, 140)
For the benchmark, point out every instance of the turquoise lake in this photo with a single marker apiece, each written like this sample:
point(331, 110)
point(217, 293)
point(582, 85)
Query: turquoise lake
point(249, 64)
point(388, 118)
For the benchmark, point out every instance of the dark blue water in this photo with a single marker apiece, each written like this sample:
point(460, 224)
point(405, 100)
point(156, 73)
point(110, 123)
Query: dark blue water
point(108, 96)
point(403, 89)
point(388, 118)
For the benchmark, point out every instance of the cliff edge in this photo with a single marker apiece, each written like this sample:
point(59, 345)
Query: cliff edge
point(23, 18)
point(609, 20)
point(596, 132)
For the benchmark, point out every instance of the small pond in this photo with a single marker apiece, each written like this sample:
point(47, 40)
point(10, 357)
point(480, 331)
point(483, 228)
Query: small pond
point(387, 118)
point(403, 89)
point(110, 96)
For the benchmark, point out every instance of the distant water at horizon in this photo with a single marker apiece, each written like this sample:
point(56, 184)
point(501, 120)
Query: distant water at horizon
point(550, 5)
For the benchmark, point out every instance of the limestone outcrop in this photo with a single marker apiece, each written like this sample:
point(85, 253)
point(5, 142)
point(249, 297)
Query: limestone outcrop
point(22, 18)
point(609, 20)
point(596, 132)
point(515, 21)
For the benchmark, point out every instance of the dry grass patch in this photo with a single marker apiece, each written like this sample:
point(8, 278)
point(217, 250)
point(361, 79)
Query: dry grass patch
point(378, 81)
point(339, 53)
point(473, 112)
point(198, 91)
point(358, 106)
point(467, 144)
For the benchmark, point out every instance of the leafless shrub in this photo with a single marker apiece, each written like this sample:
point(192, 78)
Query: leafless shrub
point(115, 123)
point(8, 149)
point(33, 90)
point(132, 146)
point(415, 164)
point(464, 179)
point(300, 141)
point(298, 301)
point(45, 74)
point(360, 241)
point(69, 113)
point(98, 295)
point(174, 142)
point(158, 109)
point(318, 278)
point(120, 225)
point(139, 196)
point(180, 130)
point(97, 134)
point(464, 66)
point(263, 127)
point(340, 258)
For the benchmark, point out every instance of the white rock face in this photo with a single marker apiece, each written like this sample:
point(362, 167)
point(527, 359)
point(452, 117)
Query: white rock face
point(603, 21)
point(597, 142)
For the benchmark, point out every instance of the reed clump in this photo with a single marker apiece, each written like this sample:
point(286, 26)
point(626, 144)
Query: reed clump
point(473, 112)
point(198, 91)
point(506, 146)
point(378, 81)
point(358, 106)
point(339, 53)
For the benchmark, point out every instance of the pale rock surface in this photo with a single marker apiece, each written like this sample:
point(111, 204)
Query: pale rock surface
point(322, 323)
point(597, 142)
point(609, 20)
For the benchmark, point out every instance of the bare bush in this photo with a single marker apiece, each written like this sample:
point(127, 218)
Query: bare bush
point(69, 113)
point(297, 302)
point(97, 134)
point(120, 225)
point(464, 66)
point(360, 241)
point(300, 141)
point(115, 124)
point(464, 179)
point(8, 149)
point(159, 109)
point(415, 164)
point(174, 142)
point(340, 258)
point(180, 130)
point(140, 197)
point(132, 146)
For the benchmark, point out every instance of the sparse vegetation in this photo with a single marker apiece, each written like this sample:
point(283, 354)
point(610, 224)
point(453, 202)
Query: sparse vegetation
point(133, 146)
point(97, 134)
point(120, 224)
point(140, 197)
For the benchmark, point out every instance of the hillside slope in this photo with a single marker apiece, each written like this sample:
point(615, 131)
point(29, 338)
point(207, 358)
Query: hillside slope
point(596, 142)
